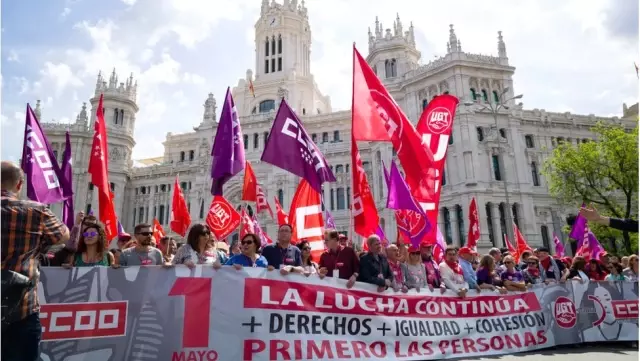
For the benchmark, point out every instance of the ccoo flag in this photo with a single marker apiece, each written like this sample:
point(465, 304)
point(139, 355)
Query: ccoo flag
point(45, 181)
point(228, 148)
point(67, 173)
point(289, 147)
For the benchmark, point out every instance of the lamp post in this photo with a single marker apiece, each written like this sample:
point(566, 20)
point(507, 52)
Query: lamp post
point(494, 108)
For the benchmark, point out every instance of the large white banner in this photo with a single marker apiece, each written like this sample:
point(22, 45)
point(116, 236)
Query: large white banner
point(252, 314)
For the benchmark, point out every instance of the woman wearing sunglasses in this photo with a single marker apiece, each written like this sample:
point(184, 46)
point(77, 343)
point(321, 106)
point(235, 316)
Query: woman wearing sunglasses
point(249, 254)
point(92, 250)
point(199, 249)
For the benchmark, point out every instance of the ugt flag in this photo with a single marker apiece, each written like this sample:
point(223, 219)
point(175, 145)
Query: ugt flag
point(45, 181)
point(289, 147)
point(228, 148)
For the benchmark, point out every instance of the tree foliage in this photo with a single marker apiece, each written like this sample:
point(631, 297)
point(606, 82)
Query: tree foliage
point(603, 173)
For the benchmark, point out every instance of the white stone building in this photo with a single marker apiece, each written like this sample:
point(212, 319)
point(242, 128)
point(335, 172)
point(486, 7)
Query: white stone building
point(474, 167)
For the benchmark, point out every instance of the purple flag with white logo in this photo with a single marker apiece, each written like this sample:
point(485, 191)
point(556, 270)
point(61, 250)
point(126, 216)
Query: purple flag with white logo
point(228, 147)
point(289, 147)
point(559, 246)
point(411, 219)
point(328, 220)
point(45, 181)
point(67, 173)
point(577, 231)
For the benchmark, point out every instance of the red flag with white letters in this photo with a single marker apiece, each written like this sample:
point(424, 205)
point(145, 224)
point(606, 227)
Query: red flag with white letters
point(222, 219)
point(306, 218)
point(158, 231)
point(246, 226)
point(261, 201)
point(283, 218)
point(474, 225)
point(363, 209)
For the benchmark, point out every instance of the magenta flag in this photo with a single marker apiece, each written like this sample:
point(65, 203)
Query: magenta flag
point(67, 172)
point(559, 246)
point(228, 147)
point(577, 231)
point(45, 181)
point(290, 148)
point(329, 222)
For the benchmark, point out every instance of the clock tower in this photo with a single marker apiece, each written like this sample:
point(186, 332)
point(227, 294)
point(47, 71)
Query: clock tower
point(283, 40)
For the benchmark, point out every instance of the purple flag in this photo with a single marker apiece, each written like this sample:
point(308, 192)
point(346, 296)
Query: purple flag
point(45, 181)
point(67, 173)
point(559, 246)
point(590, 247)
point(289, 147)
point(412, 220)
point(228, 147)
point(383, 237)
point(577, 231)
point(329, 222)
point(120, 229)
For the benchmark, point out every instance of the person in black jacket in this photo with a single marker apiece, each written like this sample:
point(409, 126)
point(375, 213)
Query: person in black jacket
point(626, 225)
point(374, 267)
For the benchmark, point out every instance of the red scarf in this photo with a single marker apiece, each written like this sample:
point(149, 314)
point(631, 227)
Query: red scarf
point(546, 263)
point(455, 266)
point(535, 272)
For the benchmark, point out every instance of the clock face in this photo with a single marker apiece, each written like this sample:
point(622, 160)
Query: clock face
point(273, 21)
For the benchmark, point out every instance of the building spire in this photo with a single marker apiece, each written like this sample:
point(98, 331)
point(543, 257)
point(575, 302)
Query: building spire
point(453, 40)
point(38, 111)
point(502, 48)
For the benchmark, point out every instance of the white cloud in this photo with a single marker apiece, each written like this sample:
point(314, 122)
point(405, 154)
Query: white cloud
point(61, 76)
point(13, 56)
point(129, 2)
point(193, 78)
point(65, 12)
point(23, 84)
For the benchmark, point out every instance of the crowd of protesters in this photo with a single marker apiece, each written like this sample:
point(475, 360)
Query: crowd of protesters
point(32, 236)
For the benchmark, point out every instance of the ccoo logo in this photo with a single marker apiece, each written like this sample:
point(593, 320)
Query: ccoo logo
point(439, 120)
point(565, 312)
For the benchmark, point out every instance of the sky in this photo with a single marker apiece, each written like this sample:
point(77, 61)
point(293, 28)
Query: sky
point(570, 55)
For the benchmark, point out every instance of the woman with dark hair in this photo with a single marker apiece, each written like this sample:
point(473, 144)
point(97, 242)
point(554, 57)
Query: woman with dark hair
point(92, 248)
point(531, 272)
point(168, 247)
point(578, 270)
point(615, 272)
point(199, 249)
point(595, 270)
point(309, 266)
point(249, 254)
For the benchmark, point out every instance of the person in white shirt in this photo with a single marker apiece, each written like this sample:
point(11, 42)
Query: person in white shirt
point(451, 273)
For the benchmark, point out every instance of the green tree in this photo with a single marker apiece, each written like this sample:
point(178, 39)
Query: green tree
point(603, 173)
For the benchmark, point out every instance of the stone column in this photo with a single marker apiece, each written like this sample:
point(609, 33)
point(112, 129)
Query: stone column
point(495, 221)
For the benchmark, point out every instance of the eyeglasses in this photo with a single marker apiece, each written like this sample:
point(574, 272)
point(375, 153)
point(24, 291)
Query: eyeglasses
point(90, 234)
point(145, 233)
point(306, 248)
point(246, 243)
point(205, 233)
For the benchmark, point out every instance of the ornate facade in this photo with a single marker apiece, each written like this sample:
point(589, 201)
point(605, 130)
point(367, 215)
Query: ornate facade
point(474, 166)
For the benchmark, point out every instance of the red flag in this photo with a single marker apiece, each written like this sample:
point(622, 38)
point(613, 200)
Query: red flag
point(283, 218)
point(306, 221)
point(474, 225)
point(377, 117)
point(99, 169)
point(521, 243)
point(435, 126)
point(180, 217)
point(250, 184)
point(158, 231)
point(363, 210)
point(246, 225)
point(510, 247)
point(222, 218)
point(261, 201)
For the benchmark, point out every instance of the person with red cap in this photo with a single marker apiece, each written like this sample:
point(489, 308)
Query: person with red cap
point(465, 257)
point(415, 273)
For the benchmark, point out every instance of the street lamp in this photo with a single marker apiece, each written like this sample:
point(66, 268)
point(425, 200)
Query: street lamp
point(494, 109)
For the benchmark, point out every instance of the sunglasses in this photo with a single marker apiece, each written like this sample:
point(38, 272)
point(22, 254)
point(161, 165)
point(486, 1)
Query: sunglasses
point(306, 248)
point(205, 233)
point(90, 234)
point(246, 242)
point(414, 253)
point(145, 233)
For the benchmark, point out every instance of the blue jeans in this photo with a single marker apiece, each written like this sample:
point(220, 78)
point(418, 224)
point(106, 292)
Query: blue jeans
point(21, 339)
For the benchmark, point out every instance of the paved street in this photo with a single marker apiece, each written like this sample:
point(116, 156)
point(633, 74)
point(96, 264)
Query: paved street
point(592, 352)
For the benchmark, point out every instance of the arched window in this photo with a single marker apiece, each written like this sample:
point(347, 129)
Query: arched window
point(496, 97)
point(267, 106)
point(279, 44)
point(192, 154)
point(325, 137)
point(339, 168)
point(495, 161)
point(390, 68)
point(256, 140)
point(250, 210)
point(116, 113)
point(349, 197)
point(480, 134)
point(528, 140)
point(332, 200)
point(485, 97)
point(281, 196)
point(487, 209)
point(503, 219)
point(516, 216)
point(266, 47)
point(447, 225)
point(534, 174)
point(474, 95)
point(346, 168)
point(336, 135)
point(273, 45)
point(121, 117)
point(503, 133)
point(461, 230)
point(544, 231)
point(425, 103)
point(245, 138)
point(444, 177)
point(341, 199)
point(182, 156)
point(265, 135)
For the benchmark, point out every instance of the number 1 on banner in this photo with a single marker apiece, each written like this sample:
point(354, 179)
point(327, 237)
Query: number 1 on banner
point(197, 310)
